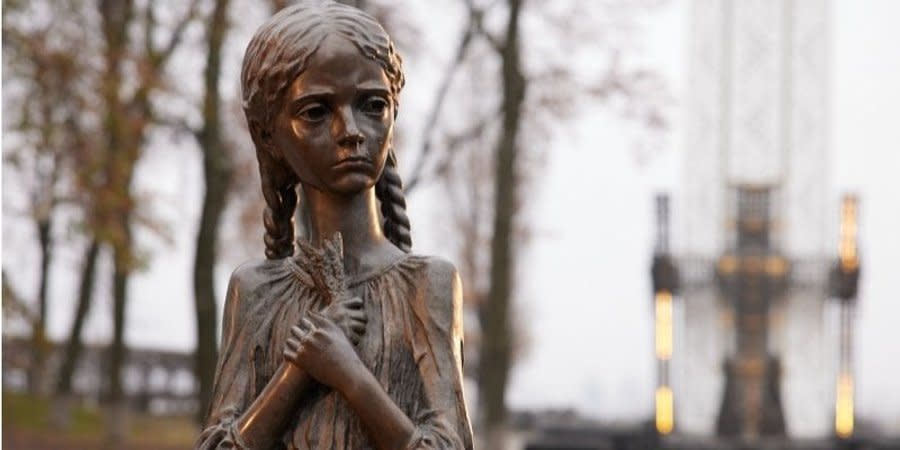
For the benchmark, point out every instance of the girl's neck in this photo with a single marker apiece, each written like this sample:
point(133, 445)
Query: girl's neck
point(355, 217)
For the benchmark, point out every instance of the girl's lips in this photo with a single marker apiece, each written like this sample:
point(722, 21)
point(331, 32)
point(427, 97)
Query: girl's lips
point(354, 163)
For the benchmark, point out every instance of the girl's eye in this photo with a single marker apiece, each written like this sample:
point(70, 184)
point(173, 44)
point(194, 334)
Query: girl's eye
point(374, 106)
point(314, 112)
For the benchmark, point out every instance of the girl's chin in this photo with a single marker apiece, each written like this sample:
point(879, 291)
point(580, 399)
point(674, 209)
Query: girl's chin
point(352, 183)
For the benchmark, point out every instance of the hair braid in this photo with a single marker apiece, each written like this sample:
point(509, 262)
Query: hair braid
point(281, 201)
point(389, 191)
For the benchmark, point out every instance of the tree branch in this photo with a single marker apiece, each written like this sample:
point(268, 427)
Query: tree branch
point(158, 58)
point(438, 105)
point(13, 305)
point(149, 28)
point(465, 136)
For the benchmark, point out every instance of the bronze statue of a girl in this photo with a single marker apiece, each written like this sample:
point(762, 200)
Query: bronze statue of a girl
point(350, 342)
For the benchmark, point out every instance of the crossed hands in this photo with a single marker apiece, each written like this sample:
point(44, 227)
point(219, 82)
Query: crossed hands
point(322, 343)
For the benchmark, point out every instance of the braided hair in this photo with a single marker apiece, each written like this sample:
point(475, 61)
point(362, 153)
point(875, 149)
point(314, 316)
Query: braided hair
point(275, 57)
point(279, 188)
point(389, 190)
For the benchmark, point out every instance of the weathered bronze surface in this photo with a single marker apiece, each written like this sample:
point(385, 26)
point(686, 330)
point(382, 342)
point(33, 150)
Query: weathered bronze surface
point(351, 342)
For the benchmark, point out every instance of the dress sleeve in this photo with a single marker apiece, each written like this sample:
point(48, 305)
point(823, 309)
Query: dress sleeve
point(444, 423)
point(233, 386)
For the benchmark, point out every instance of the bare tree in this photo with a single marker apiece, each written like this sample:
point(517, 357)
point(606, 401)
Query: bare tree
point(128, 113)
point(45, 72)
point(114, 211)
point(496, 346)
point(217, 173)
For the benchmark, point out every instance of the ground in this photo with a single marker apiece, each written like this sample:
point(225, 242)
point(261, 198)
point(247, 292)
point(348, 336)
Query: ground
point(26, 425)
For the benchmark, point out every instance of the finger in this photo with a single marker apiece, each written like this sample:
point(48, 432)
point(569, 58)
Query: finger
point(353, 303)
point(317, 319)
point(333, 313)
point(289, 355)
point(309, 324)
point(324, 323)
point(357, 315)
point(362, 321)
point(293, 343)
point(298, 332)
point(300, 335)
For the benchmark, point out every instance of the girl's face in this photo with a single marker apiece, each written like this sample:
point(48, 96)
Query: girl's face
point(335, 125)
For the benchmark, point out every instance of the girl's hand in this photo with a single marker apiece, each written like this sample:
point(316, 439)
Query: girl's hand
point(320, 347)
point(349, 315)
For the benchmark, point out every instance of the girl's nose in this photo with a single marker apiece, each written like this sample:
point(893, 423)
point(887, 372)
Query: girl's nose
point(349, 133)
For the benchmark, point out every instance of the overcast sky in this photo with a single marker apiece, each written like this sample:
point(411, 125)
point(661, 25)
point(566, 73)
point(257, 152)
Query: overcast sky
point(584, 289)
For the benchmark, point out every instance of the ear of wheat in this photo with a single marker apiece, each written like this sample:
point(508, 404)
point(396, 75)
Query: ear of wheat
point(327, 267)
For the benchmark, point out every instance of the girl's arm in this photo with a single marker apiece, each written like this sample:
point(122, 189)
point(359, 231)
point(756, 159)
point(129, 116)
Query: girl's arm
point(264, 421)
point(438, 336)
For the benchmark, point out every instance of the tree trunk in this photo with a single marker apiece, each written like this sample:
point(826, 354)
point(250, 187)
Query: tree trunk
point(39, 327)
point(497, 334)
point(73, 344)
point(114, 203)
point(117, 351)
point(217, 170)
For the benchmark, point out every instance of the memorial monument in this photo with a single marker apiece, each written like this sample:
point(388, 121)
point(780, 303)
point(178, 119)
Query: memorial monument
point(750, 345)
point(347, 340)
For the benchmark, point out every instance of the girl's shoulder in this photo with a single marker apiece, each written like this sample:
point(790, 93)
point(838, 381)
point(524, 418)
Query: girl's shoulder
point(440, 272)
point(442, 290)
point(252, 274)
point(249, 279)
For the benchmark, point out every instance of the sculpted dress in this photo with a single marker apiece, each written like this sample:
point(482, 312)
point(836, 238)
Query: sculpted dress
point(412, 345)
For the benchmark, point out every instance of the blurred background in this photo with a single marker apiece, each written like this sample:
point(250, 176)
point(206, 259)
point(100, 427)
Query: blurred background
point(675, 220)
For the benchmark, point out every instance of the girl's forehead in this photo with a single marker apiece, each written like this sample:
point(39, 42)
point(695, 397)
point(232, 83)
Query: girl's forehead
point(339, 62)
